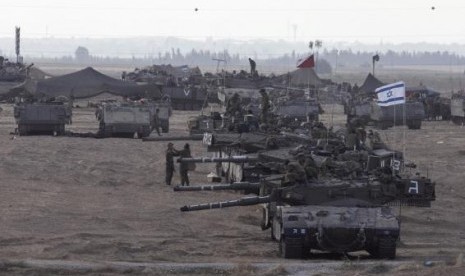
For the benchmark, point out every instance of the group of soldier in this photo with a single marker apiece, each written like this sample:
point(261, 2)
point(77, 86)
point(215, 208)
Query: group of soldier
point(171, 152)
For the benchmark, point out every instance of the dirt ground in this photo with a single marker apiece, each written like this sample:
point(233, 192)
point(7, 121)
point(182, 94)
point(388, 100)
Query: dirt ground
point(85, 199)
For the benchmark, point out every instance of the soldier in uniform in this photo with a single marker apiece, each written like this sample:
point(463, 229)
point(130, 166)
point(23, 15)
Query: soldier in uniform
point(170, 153)
point(308, 165)
point(184, 167)
point(253, 65)
point(294, 174)
point(310, 168)
point(156, 121)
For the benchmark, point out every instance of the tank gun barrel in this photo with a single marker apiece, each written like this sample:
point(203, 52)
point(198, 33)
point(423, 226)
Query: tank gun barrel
point(233, 159)
point(245, 201)
point(218, 187)
point(193, 137)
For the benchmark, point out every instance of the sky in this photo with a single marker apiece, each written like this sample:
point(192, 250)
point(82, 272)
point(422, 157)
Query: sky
point(366, 21)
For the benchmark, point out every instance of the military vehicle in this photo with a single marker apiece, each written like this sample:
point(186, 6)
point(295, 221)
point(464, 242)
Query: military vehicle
point(457, 109)
point(383, 117)
point(336, 216)
point(12, 71)
point(298, 109)
point(388, 116)
point(345, 209)
point(164, 114)
point(131, 118)
point(49, 117)
point(205, 123)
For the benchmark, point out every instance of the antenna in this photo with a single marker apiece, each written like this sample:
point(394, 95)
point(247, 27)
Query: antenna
point(18, 42)
point(218, 61)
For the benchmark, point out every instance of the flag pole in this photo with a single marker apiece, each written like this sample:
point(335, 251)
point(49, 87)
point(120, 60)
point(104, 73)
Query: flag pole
point(405, 126)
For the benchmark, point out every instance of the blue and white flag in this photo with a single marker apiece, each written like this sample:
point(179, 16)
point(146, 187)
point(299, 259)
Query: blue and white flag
point(391, 94)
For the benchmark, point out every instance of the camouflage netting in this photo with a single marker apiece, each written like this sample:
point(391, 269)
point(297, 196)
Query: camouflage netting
point(86, 83)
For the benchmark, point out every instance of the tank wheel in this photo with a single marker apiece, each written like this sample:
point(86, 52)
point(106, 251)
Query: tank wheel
point(265, 222)
point(385, 249)
point(290, 249)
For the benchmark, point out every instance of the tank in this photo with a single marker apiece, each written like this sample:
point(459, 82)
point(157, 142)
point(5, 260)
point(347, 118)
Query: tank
point(12, 71)
point(49, 118)
point(204, 123)
point(334, 216)
point(388, 116)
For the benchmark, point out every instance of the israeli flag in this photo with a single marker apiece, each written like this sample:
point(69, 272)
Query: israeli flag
point(391, 94)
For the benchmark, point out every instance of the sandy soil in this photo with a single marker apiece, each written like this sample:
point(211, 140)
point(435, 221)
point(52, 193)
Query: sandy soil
point(85, 199)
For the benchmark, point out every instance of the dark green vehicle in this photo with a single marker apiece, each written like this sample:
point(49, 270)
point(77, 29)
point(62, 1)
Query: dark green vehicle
point(42, 118)
point(333, 216)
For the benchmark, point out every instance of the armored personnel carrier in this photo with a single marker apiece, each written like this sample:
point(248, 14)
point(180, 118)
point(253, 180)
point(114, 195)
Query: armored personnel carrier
point(388, 116)
point(334, 216)
point(298, 109)
point(457, 109)
point(131, 118)
point(384, 117)
point(49, 117)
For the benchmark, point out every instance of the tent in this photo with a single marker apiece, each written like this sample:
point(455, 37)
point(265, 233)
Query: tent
point(302, 77)
point(87, 83)
point(370, 84)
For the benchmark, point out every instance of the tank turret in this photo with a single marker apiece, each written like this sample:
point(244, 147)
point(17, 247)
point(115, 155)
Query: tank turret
point(335, 215)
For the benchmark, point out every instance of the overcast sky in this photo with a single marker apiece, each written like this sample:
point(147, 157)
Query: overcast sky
point(369, 21)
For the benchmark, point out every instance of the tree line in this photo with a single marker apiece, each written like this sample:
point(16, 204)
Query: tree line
point(326, 59)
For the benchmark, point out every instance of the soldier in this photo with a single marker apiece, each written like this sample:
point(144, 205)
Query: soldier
point(294, 174)
point(170, 153)
point(233, 105)
point(253, 65)
point(184, 167)
point(310, 168)
point(156, 121)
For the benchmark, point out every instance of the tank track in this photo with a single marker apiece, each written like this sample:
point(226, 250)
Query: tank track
point(385, 248)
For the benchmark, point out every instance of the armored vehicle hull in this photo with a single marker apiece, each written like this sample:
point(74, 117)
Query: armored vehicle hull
point(388, 116)
point(121, 119)
point(302, 110)
point(42, 118)
point(128, 118)
point(300, 229)
point(457, 110)
point(164, 114)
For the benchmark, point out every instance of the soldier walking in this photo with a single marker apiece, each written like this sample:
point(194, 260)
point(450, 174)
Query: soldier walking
point(156, 121)
point(184, 167)
point(170, 153)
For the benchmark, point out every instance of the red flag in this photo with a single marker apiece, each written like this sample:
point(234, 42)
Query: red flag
point(308, 62)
